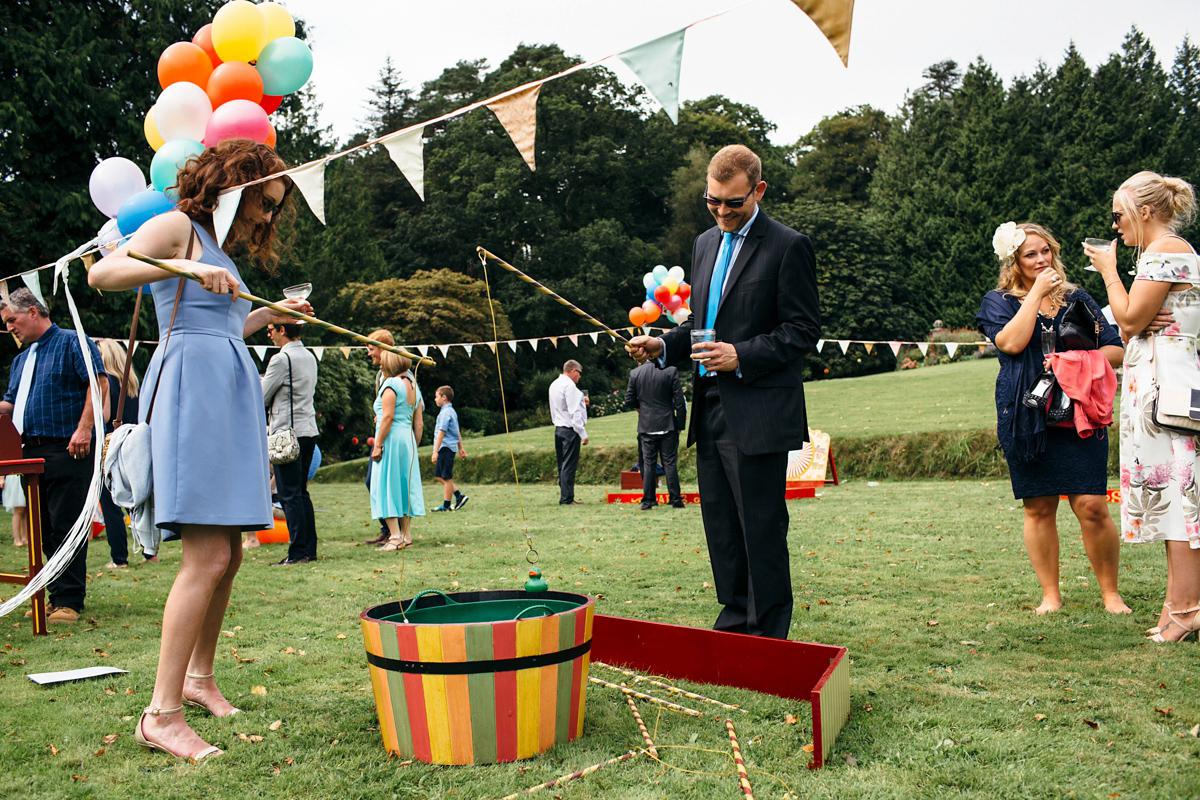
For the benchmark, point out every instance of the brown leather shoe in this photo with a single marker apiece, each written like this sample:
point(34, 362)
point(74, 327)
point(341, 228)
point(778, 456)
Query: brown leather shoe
point(380, 539)
point(63, 614)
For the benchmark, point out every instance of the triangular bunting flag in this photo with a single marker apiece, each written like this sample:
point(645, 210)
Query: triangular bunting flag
point(553, 341)
point(445, 348)
point(512, 345)
point(491, 346)
point(833, 17)
point(844, 344)
point(595, 336)
point(895, 348)
point(310, 180)
point(319, 352)
point(982, 349)
point(88, 259)
point(533, 343)
point(227, 207)
point(4, 292)
point(468, 348)
point(574, 337)
point(31, 281)
point(657, 64)
point(870, 346)
point(924, 348)
point(820, 344)
point(260, 350)
point(346, 351)
point(407, 154)
point(423, 349)
point(518, 114)
point(952, 348)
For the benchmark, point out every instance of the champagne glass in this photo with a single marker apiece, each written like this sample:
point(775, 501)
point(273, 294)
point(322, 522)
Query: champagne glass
point(1099, 244)
point(298, 292)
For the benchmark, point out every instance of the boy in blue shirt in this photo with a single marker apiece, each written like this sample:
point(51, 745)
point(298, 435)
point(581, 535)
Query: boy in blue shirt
point(445, 441)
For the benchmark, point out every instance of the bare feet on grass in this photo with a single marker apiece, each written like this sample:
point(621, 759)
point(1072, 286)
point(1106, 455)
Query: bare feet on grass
point(1048, 605)
point(1113, 604)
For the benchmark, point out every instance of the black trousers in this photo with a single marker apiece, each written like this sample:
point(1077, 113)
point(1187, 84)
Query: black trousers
point(566, 449)
point(652, 445)
point(64, 487)
point(745, 517)
point(291, 484)
point(114, 527)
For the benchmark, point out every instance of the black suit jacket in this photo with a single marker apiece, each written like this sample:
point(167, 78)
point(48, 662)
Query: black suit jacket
point(658, 397)
point(770, 313)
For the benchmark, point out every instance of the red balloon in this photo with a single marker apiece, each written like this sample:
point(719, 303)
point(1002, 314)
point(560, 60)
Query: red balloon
point(203, 39)
point(370, 441)
point(234, 80)
point(354, 440)
point(674, 303)
point(661, 293)
point(637, 316)
point(270, 102)
point(684, 290)
point(652, 310)
point(183, 61)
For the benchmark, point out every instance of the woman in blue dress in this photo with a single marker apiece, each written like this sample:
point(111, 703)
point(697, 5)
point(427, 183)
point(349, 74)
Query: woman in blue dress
point(208, 427)
point(396, 492)
point(1026, 307)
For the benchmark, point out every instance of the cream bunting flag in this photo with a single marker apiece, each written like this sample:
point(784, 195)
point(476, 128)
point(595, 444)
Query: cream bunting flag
point(518, 114)
point(924, 348)
point(533, 343)
point(512, 345)
point(491, 346)
point(407, 154)
point(319, 352)
point(833, 17)
point(4, 292)
point(574, 337)
point(895, 348)
point(227, 207)
point(595, 336)
point(657, 64)
point(844, 344)
point(820, 344)
point(468, 348)
point(423, 349)
point(310, 180)
point(445, 348)
point(346, 351)
point(260, 350)
point(34, 285)
point(952, 348)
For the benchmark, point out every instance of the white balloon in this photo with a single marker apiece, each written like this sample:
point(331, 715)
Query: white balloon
point(675, 274)
point(648, 280)
point(113, 181)
point(182, 112)
point(681, 316)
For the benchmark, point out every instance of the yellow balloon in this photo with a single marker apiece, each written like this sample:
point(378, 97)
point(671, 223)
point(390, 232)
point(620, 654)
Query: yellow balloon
point(670, 285)
point(279, 21)
point(239, 31)
point(150, 128)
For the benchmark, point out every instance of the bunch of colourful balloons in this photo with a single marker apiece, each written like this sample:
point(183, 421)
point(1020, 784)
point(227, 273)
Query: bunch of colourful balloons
point(221, 85)
point(666, 293)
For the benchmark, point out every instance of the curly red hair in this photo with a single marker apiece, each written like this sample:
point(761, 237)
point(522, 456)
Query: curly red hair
point(234, 162)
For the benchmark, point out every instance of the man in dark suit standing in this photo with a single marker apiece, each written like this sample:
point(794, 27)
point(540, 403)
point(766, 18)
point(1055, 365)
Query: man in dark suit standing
point(754, 283)
point(658, 397)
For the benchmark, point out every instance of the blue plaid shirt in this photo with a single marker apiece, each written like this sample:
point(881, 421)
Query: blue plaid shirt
point(60, 384)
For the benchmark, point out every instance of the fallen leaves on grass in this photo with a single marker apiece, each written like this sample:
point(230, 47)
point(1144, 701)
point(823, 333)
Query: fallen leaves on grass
point(112, 737)
point(276, 725)
point(790, 719)
point(1039, 717)
point(99, 652)
point(808, 748)
point(1092, 724)
point(341, 636)
point(254, 737)
point(1166, 712)
point(259, 690)
point(53, 750)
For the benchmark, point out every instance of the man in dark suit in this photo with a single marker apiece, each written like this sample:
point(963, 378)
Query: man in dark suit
point(754, 282)
point(658, 397)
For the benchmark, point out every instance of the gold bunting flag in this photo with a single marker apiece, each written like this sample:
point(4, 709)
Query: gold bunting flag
point(833, 17)
point(518, 114)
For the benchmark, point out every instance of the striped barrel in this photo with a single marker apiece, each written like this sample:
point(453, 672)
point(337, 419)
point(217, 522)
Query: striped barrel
point(479, 692)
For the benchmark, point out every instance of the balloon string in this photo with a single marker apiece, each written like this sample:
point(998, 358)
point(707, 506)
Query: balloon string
point(531, 554)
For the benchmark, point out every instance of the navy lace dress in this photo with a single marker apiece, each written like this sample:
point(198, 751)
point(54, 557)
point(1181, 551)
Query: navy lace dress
point(1041, 461)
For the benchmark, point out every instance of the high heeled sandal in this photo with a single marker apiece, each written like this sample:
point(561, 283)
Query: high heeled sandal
point(140, 736)
point(1188, 630)
point(1159, 628)
point(391, 546)
point(198, 704)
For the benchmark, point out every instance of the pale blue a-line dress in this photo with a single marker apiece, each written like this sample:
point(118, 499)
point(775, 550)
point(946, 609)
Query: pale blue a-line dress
point(396, 478)
point(208, 429)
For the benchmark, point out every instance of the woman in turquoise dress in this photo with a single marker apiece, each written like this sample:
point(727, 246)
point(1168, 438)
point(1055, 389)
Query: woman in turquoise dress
point(1160, 494)
point(396, 492)
point(208, 427)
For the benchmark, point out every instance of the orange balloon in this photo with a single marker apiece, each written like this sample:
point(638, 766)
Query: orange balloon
point(184, 61)
point(652, 310)
point(637, 316)
point(271, 137)
point(203, 39)
point(234, 80)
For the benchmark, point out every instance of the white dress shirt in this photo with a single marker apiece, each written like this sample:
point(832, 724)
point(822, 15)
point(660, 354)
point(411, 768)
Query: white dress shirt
point(566, 406)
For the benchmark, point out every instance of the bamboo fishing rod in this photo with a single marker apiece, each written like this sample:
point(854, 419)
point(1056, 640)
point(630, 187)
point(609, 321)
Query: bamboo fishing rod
point(484, 255)
point(358, 337)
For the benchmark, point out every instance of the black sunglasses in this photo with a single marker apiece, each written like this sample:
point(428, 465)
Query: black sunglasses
point(1116, 217)
point(270, 206)
point(733, 202)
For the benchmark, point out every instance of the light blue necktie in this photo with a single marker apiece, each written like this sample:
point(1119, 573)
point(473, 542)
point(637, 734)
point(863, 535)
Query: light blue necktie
point(22, 398)
point(724, 256)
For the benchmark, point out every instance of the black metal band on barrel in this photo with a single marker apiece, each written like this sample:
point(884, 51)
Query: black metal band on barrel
point(476, 667)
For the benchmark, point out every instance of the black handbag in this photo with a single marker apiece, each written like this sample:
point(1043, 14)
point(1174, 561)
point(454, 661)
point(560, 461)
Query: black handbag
point(1080, 327)
point(1048, 397)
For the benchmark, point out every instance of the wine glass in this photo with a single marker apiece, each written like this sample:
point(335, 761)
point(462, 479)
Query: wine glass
point(298, 292)
point(1099, 244)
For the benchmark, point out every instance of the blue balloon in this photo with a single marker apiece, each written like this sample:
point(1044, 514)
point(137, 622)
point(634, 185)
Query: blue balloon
point(285, 65)
point(170, 158)
point(140, 207)
point(660, 273)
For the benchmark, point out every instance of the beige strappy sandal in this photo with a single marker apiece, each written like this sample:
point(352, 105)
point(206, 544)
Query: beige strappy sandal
point(198, 704)
point(140, 736)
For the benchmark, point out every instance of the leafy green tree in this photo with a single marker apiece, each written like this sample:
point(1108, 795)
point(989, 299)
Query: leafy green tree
point(836, 160)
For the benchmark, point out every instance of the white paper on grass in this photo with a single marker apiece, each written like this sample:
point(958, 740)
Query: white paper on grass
point(47, 678)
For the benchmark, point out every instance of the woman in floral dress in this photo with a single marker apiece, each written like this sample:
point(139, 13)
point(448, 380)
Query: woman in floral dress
point(1160, 497)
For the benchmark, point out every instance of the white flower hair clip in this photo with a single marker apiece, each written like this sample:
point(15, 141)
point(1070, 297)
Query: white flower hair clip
point(1005, 241)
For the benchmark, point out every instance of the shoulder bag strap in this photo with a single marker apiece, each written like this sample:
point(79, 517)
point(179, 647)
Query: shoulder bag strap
point(171, 324)
point(291, 393)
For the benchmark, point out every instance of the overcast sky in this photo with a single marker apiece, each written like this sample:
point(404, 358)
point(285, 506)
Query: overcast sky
point(765, 53)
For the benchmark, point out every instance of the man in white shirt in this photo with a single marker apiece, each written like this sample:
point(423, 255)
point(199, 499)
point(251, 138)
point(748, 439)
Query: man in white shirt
point(568, 411)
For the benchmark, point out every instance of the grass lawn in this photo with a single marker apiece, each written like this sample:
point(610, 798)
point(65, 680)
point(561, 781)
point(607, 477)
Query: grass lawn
point(958, 690)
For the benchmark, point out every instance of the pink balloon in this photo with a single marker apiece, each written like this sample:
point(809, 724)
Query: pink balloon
point(237, 119)
point(674, 303)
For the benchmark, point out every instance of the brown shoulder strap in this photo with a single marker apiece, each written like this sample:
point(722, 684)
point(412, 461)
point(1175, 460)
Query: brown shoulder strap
point(170, 325)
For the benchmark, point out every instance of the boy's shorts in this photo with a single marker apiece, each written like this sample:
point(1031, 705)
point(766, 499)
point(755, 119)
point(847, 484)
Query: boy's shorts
point(445, 464)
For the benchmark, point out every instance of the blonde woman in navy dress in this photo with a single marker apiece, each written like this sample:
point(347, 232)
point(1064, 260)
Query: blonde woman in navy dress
point(208, 426)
